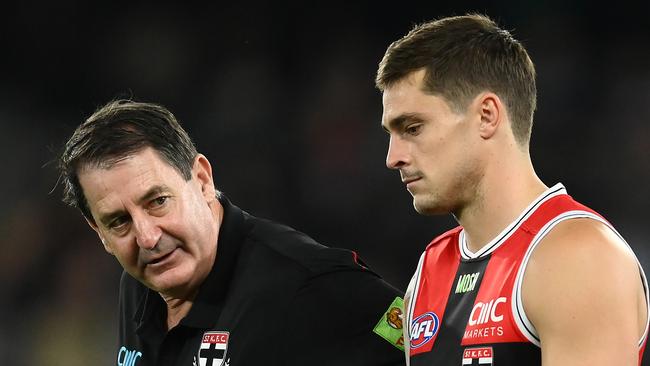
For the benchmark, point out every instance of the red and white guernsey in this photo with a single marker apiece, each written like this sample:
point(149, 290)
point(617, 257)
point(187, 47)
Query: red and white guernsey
point(465, 308)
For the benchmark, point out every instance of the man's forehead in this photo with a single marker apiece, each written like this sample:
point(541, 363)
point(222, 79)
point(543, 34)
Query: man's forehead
point(144, 159)
point(403, 96)
point(126, 180)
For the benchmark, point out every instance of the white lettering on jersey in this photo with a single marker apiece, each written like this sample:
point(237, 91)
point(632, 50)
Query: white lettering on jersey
point(483, 312)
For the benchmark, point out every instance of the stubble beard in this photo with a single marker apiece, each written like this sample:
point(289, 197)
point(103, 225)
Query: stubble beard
point(432, 204)
point(462, 191)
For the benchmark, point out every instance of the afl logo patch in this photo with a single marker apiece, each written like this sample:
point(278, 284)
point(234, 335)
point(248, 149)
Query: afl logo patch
point(423, 328)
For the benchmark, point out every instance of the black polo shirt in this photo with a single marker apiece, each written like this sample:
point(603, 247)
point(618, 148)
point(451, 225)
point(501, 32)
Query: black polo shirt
point(273, 297)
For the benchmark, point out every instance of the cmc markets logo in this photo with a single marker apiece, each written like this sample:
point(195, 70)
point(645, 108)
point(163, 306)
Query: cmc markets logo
point(423, 328)
point(483, 312)
point(127, 357)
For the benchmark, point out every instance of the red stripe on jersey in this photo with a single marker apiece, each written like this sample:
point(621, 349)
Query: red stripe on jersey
point(645, 341)
point(441, 262)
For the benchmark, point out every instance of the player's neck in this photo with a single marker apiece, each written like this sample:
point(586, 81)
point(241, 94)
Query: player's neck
point(507, 189)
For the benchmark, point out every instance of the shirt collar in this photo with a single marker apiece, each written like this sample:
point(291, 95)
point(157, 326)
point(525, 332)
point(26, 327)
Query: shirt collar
point(212, 293)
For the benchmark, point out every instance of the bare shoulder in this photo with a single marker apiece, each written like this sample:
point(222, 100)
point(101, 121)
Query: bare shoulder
point(583, 279)
point(577, 260)
point(583, 244)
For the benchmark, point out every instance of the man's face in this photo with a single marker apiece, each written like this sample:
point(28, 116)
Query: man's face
point(433, 147)
point(160, 227)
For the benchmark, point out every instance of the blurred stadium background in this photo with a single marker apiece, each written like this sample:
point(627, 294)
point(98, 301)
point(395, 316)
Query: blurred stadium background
point(281, 100)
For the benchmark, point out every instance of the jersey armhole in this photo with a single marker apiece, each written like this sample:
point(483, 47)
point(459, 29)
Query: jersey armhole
point(524, 324)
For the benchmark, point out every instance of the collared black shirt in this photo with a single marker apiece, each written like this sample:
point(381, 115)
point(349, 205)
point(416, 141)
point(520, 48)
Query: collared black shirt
point(274, 297)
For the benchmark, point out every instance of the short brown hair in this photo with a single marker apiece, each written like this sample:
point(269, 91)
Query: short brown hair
point(118, 130)
point(463, 56)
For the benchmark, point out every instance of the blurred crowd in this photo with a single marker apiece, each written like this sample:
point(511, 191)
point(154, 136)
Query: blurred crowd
point(282, 102)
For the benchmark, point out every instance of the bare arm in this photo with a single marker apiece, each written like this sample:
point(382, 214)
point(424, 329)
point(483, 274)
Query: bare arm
point(583, 293)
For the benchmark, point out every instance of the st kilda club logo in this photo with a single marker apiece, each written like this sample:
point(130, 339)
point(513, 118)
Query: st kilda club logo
point(213, 349)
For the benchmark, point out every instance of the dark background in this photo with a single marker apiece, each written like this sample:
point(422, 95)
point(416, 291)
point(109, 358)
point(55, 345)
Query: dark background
point(281, 99)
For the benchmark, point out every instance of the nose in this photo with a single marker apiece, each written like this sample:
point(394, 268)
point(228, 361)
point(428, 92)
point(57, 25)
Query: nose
point(397, 155)
point(147, 232)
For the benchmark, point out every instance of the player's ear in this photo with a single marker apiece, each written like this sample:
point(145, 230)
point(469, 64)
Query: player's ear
point(202, 172)
point(93, 226)
point(491, 111)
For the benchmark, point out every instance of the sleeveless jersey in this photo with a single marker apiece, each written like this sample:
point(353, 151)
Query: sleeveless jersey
point(465, 308)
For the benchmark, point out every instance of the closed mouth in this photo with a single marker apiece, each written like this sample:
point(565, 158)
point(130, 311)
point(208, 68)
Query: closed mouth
point(410, 180)
point(160, 258)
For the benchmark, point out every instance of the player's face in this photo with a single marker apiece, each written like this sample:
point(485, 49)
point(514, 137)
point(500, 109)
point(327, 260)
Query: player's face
point(432, 146)
point(160, 227)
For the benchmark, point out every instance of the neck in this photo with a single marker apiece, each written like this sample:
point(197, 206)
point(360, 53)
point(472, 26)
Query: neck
point(177, 309)
point(179, 303)
point(507, 188)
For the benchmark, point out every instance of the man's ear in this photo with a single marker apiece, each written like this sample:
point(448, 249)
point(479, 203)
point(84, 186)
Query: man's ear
point(202, 172)
point(93, 225)
point(491, 111)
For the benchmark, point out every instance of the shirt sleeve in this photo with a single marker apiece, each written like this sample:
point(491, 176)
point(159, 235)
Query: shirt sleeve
point(331, 321)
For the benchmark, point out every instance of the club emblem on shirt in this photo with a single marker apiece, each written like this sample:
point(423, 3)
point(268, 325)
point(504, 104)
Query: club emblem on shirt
point(482, 356)
point(212, 351)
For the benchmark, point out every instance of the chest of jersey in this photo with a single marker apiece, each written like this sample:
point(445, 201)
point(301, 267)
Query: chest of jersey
point(468, 311)
point(466, 308)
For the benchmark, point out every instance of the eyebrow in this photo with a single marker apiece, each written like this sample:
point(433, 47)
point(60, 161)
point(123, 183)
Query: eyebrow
point(151, 193)
point(399, 121)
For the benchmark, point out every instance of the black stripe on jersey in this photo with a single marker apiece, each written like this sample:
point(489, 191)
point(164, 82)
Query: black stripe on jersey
point(522, 217)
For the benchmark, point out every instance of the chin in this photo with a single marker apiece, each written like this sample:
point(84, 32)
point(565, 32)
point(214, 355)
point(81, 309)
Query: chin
point(429, 207)
point(174, 280)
